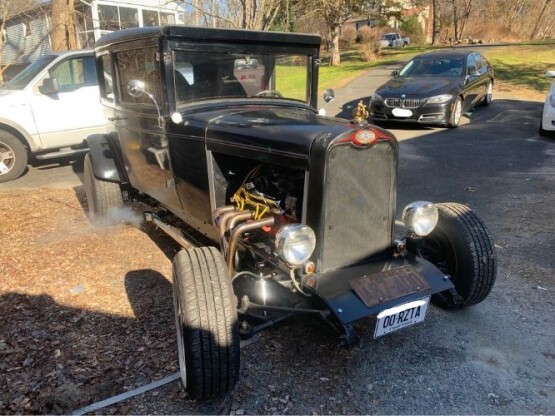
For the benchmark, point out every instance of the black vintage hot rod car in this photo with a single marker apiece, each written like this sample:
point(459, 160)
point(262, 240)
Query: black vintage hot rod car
point(217, 130)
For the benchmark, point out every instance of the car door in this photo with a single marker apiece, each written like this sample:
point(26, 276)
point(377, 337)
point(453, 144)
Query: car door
point(482, 66)
point(66, 117)
point(471, 88)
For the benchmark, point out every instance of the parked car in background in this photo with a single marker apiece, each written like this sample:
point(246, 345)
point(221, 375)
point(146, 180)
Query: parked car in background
point(547, 123)
point(394, 40)
point(48, 109)
point(435, 88)
point(210, 133)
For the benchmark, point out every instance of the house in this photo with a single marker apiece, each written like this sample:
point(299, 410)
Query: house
point(27, 35)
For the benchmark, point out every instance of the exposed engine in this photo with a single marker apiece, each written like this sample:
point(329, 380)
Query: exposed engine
point(272, 189)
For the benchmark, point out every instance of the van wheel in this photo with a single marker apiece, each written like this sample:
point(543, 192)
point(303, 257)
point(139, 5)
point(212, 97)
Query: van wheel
point(103, 197)
point(456, 114)
point(206, 322)
point(461, 247)
point(13, 157)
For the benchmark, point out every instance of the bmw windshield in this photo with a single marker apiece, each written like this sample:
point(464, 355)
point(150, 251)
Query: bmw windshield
point(433, 67)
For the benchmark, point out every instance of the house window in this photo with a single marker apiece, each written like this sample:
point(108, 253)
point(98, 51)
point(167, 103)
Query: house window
point(150, 18)
point(128, 17)
point(108, 16)
point(139, 64)
point(167, 18)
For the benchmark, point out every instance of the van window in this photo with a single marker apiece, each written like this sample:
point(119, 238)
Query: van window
point(139, 64)
point(74, 73)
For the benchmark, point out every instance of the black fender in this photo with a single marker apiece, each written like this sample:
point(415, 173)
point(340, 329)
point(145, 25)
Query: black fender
point(105, 159)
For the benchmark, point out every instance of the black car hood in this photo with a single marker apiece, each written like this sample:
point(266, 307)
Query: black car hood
point(418, 87)
point(277, 134)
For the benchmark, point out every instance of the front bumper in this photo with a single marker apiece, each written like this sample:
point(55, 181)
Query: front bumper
point(424, 114)
point(335, 288)
point(548, 117)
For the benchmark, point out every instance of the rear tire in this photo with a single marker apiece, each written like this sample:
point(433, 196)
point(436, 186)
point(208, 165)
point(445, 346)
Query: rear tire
point(461, 247)
point(206, 322)
point(13, 157)
point(456, 114)
point(103, 197)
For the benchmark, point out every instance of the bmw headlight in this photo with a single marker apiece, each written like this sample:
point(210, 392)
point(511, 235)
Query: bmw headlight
point(295, 243)
point(420, 217)
point(440, 99)
point(377, 98)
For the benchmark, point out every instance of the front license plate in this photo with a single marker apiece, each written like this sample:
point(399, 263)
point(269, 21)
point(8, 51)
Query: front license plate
point(401, 316)
point(401, 112)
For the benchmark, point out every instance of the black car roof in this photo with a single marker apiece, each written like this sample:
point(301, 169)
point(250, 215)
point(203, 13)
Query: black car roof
point(209, 34)
point(446, 53)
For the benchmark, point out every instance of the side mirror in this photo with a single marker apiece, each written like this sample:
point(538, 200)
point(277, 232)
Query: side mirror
point(329, 95)
point(550, 74)
point(394, 73)
point(136, 88)
point(49, 86)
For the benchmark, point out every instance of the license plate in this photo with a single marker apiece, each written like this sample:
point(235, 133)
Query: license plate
point(401, 112)
point(401, 316)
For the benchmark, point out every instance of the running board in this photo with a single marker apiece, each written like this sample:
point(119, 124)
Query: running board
point(170, 230)
point(62, 153)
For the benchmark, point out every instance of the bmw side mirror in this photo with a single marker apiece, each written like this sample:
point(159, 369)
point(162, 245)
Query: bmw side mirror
point(49, 86)
point(329, 95)
point(394, 73)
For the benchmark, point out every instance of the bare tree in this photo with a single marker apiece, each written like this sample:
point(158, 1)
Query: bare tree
point(541, 17)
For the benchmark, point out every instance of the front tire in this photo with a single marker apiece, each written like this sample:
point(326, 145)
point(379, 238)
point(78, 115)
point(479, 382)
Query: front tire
point(13, 157)
point(461, 247)
point(456, 114)
point(206, 322)
point(103, 197)
point(489, 94)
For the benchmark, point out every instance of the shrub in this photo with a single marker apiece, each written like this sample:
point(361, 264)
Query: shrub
point(412, 28)
point(349, 36)
point(365, 34)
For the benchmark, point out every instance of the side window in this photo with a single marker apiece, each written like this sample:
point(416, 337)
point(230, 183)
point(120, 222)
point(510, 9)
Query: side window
point(74, 73)
point(471, 65)
point(106, 78)
point(139, 64)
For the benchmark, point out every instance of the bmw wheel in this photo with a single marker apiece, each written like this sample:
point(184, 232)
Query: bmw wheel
point(489, 94)
point(456, 114)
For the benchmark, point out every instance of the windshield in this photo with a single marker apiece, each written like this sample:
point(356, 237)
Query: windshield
point(434, 67)
point(21, 80)
point(206, 75)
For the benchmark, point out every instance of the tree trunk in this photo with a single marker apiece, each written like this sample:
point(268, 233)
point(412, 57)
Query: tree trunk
point(58, 35)
point(541, 16)
point(335, 58)
point(435, 17)
point(455, 20)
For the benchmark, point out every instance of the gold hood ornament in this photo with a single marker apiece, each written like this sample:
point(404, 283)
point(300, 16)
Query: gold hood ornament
point(360, 114)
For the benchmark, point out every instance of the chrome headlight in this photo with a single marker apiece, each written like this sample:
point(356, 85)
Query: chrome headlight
point(376, 98)
point(420, 217)
point(295, 243)
point(440, 99)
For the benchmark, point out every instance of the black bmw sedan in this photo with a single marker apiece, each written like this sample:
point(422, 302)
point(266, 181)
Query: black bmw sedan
point(435, 88)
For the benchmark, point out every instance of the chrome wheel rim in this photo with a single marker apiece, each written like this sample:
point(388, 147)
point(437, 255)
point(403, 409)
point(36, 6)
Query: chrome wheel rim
point(7, 158)
point(457, 113)
point(489, 93)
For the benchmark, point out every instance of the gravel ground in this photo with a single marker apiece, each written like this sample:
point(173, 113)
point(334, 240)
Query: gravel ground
point(87, 313)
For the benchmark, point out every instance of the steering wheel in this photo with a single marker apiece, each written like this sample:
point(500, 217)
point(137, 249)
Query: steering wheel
point(269, 93)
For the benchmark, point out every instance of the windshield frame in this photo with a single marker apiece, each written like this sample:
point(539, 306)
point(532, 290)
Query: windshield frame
point(251, 50)
point(29, 73)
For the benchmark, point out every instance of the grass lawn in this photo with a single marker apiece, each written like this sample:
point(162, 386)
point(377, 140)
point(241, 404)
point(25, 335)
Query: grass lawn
point(520, 66)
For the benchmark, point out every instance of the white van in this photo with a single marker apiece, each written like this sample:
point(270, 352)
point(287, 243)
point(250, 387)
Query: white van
point(48, 109)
